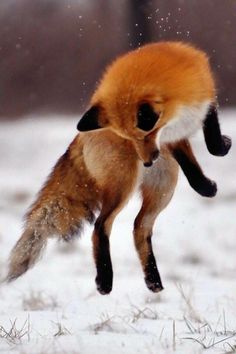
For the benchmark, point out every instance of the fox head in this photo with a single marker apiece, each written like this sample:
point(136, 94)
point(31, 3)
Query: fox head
point(154, 95)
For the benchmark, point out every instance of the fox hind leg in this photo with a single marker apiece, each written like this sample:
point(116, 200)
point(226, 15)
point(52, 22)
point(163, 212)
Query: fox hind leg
point(101, 251)
point(101, 245)
point(143, 243)
point(143, 228)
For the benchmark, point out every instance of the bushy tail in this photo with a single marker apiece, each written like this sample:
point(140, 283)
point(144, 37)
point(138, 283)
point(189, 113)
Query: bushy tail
point(68, 199)
point(25, 253)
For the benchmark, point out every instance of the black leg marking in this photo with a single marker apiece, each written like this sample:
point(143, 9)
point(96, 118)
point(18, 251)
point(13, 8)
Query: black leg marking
point(103, 262)
point(197, 180)
point(217, 144)
point(152, 276)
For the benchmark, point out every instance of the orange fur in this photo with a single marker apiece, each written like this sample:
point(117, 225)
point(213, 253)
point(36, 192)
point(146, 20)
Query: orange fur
point(166, 74)
point(101, 168)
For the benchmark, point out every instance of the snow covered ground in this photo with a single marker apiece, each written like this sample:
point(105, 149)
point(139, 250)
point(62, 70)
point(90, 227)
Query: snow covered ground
point(55, 307)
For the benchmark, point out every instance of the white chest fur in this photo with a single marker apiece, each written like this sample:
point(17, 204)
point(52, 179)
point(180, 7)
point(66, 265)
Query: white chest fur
point(187, 120)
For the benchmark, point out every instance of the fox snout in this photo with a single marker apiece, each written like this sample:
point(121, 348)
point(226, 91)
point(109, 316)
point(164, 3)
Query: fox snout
point(147, 151)
point(153, 157)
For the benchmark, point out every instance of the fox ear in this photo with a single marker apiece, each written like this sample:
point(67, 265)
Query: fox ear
point(90, 120)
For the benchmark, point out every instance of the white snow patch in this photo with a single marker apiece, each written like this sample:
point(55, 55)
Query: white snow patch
point(56, 304)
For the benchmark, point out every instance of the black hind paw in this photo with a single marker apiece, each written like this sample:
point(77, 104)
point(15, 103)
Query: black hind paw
point(153, 283)
point(104, 284)
point(154, 287)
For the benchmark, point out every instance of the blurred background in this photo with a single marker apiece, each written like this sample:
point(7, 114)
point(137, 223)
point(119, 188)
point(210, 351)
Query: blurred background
point(52, 52)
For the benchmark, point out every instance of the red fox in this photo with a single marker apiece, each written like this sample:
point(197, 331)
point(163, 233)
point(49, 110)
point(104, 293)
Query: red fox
point(147, 104)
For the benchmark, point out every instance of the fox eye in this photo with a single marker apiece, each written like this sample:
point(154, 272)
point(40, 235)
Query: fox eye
point(146, 117)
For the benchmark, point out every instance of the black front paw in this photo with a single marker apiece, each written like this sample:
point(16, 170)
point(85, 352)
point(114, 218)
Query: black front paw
point(220, 147)
point(206, 188)
point(225, 146)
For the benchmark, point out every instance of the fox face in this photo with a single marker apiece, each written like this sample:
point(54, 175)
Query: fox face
point(155, 95)
point(142, 134)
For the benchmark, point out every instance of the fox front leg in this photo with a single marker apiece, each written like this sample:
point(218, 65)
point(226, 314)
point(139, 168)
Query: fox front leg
point(217, 144)
point(183, 154)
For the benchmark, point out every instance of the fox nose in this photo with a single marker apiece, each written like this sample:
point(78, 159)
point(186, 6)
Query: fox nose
point(154, 157)
point(147, 164)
